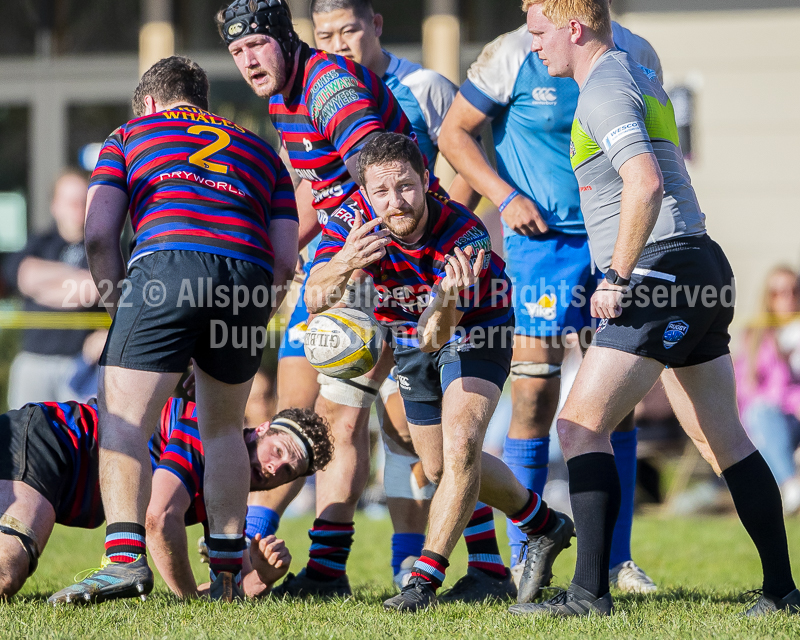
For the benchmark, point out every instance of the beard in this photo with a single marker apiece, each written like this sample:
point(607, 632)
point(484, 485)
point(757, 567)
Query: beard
point(404, 226)
point(274, 81)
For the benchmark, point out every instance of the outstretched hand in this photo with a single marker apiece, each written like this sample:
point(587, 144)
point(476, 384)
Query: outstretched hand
point(459, 275)
point(270, 558)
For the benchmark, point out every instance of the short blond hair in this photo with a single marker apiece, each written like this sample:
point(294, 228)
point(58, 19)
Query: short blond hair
point(595, 14)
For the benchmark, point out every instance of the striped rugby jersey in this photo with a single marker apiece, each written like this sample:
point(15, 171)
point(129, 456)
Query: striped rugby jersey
point(197, 182)
point(75, 426)
point(405, 276)
point(176, 447)
point(334, 104)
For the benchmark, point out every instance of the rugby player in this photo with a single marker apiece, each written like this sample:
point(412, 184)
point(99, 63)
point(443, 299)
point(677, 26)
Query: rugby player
point(445, 296)
point(215, 221)
point(49, 474)
point(648, 235)
point(352, 29)
point(325, 107)
point(546, 252)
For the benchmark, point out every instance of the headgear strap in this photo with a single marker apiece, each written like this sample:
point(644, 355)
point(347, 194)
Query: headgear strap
point(271, 18)
point(299, 436)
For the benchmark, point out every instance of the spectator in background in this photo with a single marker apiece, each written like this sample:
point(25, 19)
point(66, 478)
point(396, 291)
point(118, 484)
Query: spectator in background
point(51, 274)
point(768, 389)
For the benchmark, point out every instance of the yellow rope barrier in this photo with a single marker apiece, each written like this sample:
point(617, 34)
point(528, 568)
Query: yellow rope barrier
point(89, 320)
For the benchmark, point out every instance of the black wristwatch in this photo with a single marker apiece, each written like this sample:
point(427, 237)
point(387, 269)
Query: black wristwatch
point(612, 277)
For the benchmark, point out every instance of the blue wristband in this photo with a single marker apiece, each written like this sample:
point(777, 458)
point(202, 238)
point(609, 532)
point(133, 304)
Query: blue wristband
point(508, 200)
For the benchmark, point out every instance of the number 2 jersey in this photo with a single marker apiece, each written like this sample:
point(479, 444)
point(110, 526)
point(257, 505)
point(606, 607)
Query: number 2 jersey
point(333, 106)
point(405, 276)
point(197, 182)
point(175, 446)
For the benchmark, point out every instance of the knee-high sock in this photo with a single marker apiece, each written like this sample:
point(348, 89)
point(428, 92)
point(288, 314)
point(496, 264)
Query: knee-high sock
point(527, 460)
point(624, 443)
point(261, 520)
point(758, 503)
point(405, 545)
point(595, 496)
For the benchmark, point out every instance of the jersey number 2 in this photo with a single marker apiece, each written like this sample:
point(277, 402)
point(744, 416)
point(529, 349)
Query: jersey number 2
point(199, 157)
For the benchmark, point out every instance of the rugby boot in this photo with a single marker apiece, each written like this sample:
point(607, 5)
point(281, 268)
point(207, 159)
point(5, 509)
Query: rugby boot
point(111, 581)
point(301, 586)
point(628, 577)
point(477, 586)
point(767, 604)
point(576, 601)
point(542, 551)
point(418, 594)
point(225, 589)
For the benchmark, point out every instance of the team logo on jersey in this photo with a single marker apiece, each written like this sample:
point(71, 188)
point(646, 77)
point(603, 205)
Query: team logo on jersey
point(544, 96)
point(307, 145)
point(652, 76)
point(572, 150)
point(674, 333)
point(478, 239)
point(545, 308)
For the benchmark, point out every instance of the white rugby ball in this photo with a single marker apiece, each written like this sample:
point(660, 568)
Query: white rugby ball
point(343, 343)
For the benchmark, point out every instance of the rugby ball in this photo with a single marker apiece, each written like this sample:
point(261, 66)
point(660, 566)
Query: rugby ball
point(343, 343)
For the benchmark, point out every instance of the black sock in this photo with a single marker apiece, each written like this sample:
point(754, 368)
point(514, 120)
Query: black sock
point(595, 495)
point(758, 503)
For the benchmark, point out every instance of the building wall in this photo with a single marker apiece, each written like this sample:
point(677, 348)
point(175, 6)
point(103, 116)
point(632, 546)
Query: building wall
point(745, 68)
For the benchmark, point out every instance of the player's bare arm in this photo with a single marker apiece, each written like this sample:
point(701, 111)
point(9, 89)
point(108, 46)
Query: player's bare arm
point(459, 144)
point(283, 236)
point(438, 322)
point(106, 210)
point(364, 245)
point(642, 193)
point(166, 533)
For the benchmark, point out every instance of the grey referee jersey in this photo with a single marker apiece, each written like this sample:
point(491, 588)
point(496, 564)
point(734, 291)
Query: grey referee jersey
point(623, 112)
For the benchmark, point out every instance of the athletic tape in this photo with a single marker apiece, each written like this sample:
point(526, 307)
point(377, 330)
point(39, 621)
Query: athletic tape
point(524, 370)
point(358, 392)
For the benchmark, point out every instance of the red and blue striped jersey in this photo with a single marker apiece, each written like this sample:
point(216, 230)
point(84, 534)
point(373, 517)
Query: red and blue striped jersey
point(75, 427)
point(334, 104)
point(176, 447)
point(405, 276)
point(198, 182)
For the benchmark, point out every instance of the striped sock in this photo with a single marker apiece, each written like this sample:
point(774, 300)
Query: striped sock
point(481, 539)
point(225, 554)
point(431, 568)
point(535, 518)
point(330, 548)
point(125, 541)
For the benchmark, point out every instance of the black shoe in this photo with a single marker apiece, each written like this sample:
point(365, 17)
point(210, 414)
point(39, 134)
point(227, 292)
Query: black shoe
point(416, 595)
point(577, 601)
point(225, 589)
point(301, 586)
point(542, 552)
point(477, 586)
point(112, 581)
point(767, 604)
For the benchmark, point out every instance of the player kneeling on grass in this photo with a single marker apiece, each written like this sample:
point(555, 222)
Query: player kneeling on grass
point(452, 324)
point(49, 474)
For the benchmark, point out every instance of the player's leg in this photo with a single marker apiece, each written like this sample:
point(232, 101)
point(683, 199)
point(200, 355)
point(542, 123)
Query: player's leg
point(408, 491)
point(26, 521)
point(608, 386)
point(704, 399)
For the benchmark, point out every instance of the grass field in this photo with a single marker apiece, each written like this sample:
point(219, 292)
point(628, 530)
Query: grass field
point(703, 565)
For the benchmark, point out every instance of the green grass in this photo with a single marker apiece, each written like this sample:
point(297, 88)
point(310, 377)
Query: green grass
point(702, 566)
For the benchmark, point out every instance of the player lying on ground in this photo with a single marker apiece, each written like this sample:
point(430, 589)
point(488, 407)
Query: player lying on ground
point(646, 229)
point(450, 377)
point(49, 474)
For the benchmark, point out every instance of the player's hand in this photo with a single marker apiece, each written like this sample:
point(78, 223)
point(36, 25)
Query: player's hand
point(523, 216)
point(202, 549)
point(299, 272)
point(365, 244)
point(459, 274)
point(270, 558)
point(607, 301)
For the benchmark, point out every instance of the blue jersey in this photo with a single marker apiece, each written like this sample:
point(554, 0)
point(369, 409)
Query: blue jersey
point(425, 97)
point(532, 116)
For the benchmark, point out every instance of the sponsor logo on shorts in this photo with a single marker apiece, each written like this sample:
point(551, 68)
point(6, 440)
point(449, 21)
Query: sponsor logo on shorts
point(545, 96)
point(674, 333)
point(403, 382)
point(603, 324)
point(628, 129)
point(545, 308)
